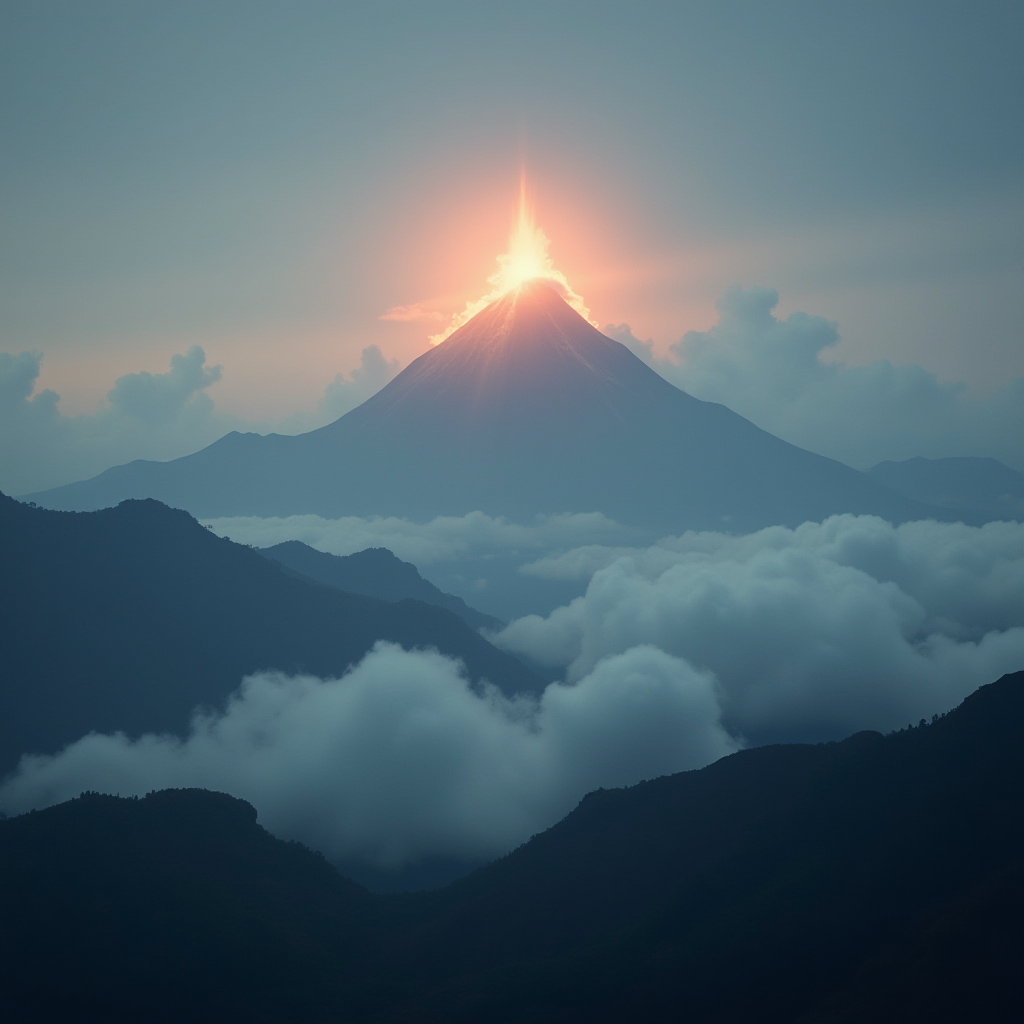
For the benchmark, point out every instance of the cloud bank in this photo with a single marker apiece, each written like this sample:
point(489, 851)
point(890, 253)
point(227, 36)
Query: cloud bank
point(809, 633)
point(145, 416)
point(677, 653)
point(444, 539)
point(773, 372)
point(401, 759)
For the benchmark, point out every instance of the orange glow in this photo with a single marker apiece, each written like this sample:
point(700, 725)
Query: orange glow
point(526, 260)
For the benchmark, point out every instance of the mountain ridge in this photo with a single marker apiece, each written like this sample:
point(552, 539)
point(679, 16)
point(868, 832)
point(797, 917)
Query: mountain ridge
point(129, 618)
point(878, 878)
point(976, 488)
point(373, 572)
point(527, 409)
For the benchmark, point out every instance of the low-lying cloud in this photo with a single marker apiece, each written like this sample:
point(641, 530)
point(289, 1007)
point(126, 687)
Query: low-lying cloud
point(444, 539)
point(145, 416)
point(401, 759)
point(676, 654)
point(772, 372)
point(809, 633)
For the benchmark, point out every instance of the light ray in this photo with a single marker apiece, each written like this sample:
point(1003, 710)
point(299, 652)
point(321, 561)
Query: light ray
point(527, 259)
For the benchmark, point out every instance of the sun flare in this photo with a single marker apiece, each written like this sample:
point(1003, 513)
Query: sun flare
point(527, 259)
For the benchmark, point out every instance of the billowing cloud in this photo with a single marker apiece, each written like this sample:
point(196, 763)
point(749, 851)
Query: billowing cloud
point(161, 397)
point(810, 633)
point(145, 416)
point(402, 759)
point(446, 538)
point(676, 653)
point(773, 371)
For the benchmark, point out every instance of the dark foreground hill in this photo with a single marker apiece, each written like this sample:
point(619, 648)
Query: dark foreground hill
point(129, 618)
point(526, 409)
point(979, 489)
point(375, 572)
point(876, 880)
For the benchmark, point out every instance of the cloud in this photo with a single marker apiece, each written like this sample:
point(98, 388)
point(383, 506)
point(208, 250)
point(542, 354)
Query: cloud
point(773, 372)
point(446, 538)
point(677, 653)
point(401, 759)
point(809, 633)
point(416, 313)
point(145, 416)
point(342, 395)
point(160, 398)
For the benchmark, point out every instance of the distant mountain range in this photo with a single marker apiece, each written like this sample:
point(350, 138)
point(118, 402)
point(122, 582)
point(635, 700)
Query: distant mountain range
point(131, 617)
point(526, 409)
point(375, 572)
point(878, 879)
point(979, 489)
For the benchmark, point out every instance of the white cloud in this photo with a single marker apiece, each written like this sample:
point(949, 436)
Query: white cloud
point(401, 759)
point(773, 372)
point(822, 630)
point(444, 539)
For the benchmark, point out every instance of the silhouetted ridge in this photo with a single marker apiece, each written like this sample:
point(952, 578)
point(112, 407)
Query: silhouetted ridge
point(131, 617)
point(525, 410)
point(979, 489)
point(878, 879)
point(375, 572)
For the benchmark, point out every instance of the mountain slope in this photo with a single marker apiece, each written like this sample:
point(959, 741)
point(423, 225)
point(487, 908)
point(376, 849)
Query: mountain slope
point(526, 409)
point(983, 489)
point(141, 909)
point(375, 572)
point(879, 879)
point(130, 617)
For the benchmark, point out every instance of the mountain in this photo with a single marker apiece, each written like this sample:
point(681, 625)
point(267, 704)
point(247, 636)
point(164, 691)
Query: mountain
point(375, 572)
point(131, 617)
point(209, 916)
point(877, 879)
point(526, 409)
point(983, 489)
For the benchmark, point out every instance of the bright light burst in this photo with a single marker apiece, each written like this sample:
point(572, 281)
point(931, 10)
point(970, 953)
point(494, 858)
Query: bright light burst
point(527, 259)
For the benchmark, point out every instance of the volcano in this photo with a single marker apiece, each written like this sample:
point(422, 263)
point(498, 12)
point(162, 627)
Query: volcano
point(526, 409)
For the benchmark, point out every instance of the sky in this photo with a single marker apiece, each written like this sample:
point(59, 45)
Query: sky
point(267, 180)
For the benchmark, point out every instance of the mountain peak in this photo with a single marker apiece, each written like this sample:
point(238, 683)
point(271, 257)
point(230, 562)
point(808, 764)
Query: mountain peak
point(534, 307)
point(527, 349)
point(525, 409)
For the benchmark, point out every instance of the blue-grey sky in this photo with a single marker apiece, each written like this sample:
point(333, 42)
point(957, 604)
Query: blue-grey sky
point(265, 180)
